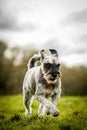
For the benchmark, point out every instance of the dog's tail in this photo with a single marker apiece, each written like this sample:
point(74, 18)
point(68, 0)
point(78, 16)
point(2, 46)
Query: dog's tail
point(34, 61)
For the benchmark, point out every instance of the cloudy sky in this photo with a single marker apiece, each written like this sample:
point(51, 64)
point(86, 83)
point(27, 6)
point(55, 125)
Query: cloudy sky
point(59, 24)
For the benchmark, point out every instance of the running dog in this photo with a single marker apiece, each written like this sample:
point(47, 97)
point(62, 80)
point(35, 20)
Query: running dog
point(42, 82)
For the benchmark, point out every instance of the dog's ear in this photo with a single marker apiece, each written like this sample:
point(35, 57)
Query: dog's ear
point(42, 54)
point(54, 52)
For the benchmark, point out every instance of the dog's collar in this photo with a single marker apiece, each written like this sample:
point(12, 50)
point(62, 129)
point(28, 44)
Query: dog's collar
point(50, 85)
point(47, 86)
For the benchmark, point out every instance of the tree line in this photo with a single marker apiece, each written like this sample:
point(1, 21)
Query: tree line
point(13, 66)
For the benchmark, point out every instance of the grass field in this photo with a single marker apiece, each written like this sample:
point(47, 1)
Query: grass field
point(73, 115)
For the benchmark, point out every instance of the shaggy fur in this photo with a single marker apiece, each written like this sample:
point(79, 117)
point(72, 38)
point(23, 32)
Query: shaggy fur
point(42, 82)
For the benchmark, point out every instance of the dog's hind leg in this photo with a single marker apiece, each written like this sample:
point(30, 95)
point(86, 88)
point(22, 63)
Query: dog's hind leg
point(27, 102)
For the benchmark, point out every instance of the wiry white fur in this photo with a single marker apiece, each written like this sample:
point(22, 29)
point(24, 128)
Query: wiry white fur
point(50, 59)
point(33, 85)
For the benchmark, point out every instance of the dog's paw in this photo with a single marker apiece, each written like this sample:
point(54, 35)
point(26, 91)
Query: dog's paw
point(56, 113)
point(40, 115)
point(27, 114)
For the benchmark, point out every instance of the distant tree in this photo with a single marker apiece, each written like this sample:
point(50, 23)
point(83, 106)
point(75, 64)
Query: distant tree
point(3, 47)
point(12, 71)
point(3, 66)
point(74, 80)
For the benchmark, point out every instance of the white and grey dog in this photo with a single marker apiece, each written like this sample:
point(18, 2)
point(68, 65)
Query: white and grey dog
point(43, 81)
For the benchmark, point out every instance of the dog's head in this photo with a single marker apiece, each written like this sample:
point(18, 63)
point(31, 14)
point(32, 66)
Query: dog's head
point(50, 65)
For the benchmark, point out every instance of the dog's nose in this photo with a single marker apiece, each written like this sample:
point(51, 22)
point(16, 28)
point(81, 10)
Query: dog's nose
point(54, 75)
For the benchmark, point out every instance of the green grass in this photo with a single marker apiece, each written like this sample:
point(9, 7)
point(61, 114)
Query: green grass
point(73, 115)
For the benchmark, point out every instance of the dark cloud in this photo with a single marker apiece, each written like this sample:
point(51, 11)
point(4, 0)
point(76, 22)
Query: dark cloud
point(10, 22)
point(80, 39)
point(76, 17)
point(9, 19)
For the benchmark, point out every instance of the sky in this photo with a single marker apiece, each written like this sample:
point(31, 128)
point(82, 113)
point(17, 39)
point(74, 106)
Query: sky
point(39, 24)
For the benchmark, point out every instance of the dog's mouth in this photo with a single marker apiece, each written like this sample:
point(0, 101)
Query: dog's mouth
point(52, 78)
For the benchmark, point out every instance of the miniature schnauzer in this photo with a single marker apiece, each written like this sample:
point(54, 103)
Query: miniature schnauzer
point(42, 82)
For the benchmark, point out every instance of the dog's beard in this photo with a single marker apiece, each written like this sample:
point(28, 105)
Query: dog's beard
point(48, 75)
point(50, 79)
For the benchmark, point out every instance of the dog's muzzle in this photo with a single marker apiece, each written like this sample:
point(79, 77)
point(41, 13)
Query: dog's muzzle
point(53, 75)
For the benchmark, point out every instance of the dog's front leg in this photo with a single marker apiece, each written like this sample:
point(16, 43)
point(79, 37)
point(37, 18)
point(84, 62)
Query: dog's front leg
point(41, 110)
point(55, 98)
point(57, 94)
point(50, 106)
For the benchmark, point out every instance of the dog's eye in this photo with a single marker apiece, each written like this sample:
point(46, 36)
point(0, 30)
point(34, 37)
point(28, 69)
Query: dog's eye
point(47, 65)
point(58, 65)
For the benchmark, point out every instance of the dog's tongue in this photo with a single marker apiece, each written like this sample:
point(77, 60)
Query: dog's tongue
point(47, 86)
